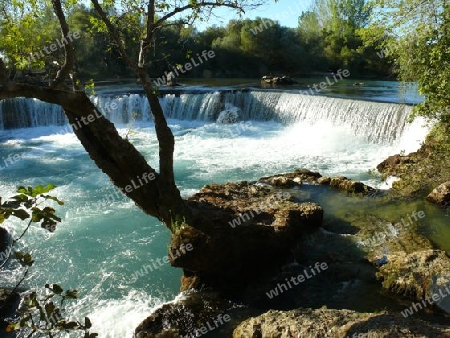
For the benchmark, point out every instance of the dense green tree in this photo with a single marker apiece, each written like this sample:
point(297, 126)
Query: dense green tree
point(333, 29)
point(417, 35)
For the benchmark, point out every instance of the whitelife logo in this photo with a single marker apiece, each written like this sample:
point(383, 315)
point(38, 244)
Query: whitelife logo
point(435, 297)
point(53, 47)
point(219, 320)
point(319, 267)
point(10, 160)
point(206, 55)
point(160, 262)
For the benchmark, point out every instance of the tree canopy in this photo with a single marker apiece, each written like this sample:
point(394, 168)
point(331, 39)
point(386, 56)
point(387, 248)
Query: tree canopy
point(248, 48)
point(416, 34)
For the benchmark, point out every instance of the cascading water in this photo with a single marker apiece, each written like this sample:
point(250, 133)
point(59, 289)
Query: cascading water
point(376, 122)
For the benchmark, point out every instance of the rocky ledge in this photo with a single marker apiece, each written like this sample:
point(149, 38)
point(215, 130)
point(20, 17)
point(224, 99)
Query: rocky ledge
point(423, 170)
point(248, 232)
point(336, 323)
point(291, 180)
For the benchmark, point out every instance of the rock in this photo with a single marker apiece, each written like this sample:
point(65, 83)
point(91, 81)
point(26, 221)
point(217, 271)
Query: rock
point(324, 180)
point(349, 186)
point(440, 195)
point(418, 275)
point(290, 180)
point(228, 117)
point(309, 214)
point(8, 302)
point(182, 317)
point(333, 323)
point(390, 165)
point(241, 233)
point(281, 181)
point(5, 242)
point(283, 80)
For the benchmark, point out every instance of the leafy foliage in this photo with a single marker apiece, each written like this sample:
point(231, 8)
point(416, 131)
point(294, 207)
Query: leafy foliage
point(328, 37)
point(417, 34)
point(38, 315)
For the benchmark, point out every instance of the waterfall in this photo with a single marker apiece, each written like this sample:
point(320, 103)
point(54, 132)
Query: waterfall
point(22, 113)
point(377, 122)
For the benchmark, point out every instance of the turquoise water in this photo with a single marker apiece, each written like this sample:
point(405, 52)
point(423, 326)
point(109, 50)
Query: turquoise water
point(102, 244)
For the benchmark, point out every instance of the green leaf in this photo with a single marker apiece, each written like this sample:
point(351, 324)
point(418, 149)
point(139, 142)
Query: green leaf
point(54, 199)
point(87, 323)
point(56, 289)
point(42, 190)
point(20, 213)
point(70, 325)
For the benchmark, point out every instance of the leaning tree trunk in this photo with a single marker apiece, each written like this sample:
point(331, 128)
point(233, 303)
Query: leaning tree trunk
point(114, 155)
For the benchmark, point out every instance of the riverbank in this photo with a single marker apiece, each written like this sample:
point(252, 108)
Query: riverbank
point(422, 171)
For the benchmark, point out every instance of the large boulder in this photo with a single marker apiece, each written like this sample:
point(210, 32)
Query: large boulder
point(241, 233)
point(440, 195)
point(184, 317)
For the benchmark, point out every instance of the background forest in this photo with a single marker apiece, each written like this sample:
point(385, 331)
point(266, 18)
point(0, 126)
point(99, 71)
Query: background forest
point(329, 36)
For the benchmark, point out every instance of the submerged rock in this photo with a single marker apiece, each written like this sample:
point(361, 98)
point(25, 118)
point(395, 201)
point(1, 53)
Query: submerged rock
point(336, 323)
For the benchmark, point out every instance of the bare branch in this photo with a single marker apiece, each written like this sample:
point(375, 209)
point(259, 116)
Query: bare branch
point(197, 5)
point(145, 41)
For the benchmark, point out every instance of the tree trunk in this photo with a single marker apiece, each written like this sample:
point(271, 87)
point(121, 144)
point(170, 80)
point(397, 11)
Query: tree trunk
point(155, 193)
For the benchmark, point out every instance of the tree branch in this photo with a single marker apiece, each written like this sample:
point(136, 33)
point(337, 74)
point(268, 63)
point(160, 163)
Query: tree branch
point(115, 156)
point(115, 34)
point(197, 5)
point(67, 68)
